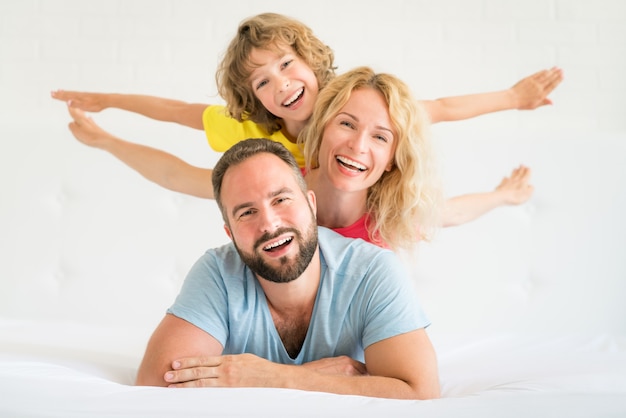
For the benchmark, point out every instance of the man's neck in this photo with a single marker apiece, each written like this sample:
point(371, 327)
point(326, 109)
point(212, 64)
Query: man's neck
point(291, 305)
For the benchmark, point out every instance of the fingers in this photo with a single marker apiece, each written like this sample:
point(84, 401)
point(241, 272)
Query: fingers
point(189, 362)
point(189, 378)
point(549, 79)
point(190, 375)
point(521, 173)
point(194, 372)
point(72, 98)
point(553, 79)
point(75, 112)
point(58, 95)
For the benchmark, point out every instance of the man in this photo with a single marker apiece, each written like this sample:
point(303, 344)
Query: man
point(277, 308)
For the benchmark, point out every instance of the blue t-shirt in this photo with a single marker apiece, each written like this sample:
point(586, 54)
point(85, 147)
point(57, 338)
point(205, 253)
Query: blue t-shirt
point(364, 297)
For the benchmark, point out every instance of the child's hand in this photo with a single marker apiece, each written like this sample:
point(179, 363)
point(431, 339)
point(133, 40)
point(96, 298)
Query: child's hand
point(89, 102)
point(85, 129)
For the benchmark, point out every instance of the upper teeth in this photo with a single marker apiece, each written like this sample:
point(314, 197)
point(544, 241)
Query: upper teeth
point(277, 243)
point(294, 97)
point(353, 163)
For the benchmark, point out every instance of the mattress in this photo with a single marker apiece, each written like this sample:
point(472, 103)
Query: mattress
point(67, 370)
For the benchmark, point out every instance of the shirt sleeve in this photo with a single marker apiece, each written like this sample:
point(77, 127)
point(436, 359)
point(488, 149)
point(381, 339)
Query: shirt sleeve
point(202, 300)
point(391, 304)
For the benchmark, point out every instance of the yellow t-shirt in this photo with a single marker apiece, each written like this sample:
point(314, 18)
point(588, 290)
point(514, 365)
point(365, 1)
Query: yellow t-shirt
point(223, 132)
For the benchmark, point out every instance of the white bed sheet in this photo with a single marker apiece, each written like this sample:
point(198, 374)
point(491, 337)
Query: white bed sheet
point(69, 370)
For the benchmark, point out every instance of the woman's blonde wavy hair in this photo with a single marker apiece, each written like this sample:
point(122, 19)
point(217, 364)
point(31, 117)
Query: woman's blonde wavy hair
point(404, 204)
point(269, 31)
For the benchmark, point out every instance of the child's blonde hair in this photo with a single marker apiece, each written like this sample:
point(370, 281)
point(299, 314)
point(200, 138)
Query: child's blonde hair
point(403, 205)
point(269, 31)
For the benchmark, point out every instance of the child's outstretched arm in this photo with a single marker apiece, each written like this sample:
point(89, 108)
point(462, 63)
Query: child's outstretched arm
point(513, 190)
point(166, 110)
point(529, 93)
point(157, 166)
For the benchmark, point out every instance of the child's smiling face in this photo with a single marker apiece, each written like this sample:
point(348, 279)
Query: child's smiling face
point(284, 84)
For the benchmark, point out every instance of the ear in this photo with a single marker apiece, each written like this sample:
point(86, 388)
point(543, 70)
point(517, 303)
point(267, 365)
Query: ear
point(390, 165)
point(312, 201)
point(227, 230)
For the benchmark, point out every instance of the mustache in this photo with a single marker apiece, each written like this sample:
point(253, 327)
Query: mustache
point(267, 236)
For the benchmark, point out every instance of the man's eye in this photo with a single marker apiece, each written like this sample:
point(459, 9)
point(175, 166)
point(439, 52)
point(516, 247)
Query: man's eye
point(246, 213)
point(283, 200)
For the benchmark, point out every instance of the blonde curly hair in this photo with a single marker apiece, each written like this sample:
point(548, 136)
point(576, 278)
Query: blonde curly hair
point(404, 204)
point(268, 31)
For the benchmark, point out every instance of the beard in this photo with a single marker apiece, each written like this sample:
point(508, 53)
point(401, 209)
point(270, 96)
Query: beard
point(289, 269)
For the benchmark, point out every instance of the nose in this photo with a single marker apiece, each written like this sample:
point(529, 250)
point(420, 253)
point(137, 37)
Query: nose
point(284, 84)
point(269, 220)
point(358, 143)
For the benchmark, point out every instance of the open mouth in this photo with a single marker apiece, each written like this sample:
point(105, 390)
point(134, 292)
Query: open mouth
point(277, 245)
point(294, 98)
point(350, 164)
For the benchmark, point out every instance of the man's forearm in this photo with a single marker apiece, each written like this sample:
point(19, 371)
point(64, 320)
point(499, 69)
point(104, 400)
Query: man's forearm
point(247, 370)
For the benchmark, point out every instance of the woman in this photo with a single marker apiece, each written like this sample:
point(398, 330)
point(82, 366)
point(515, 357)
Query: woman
point(370, 161)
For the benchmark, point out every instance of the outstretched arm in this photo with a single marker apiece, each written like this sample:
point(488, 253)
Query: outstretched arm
point(529, 93)
point(513, 190)
point(166, 110)
point(157, 166)
point(401, 367)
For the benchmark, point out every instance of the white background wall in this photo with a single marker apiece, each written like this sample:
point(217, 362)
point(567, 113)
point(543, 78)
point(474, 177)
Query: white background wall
point(77, 226)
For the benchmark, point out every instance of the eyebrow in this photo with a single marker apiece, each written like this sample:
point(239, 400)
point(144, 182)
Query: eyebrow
point(384, 128)
point(244, 205)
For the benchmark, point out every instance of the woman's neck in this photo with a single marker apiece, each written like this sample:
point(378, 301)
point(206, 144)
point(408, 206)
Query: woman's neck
point(335, 208)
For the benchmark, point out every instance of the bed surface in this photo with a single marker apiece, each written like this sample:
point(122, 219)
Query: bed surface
point(61, 365)
point(91, 372)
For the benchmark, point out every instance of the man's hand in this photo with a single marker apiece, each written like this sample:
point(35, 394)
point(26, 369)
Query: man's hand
point(248, 370)
point(343, 365)
point(240, 370)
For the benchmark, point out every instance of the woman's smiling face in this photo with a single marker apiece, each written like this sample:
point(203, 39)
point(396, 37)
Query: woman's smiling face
point(358, 143)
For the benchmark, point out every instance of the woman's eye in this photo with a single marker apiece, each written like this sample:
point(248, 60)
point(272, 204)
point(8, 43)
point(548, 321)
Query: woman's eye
point(381, 138)
point(347, 124)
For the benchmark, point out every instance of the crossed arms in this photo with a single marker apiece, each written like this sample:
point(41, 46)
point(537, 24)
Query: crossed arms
point(180, 354)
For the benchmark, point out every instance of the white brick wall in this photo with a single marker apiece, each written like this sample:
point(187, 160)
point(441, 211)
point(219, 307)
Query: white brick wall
point(441, 47)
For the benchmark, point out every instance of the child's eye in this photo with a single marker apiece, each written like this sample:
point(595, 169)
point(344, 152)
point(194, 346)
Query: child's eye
point(261, 84)
point(286, 64)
